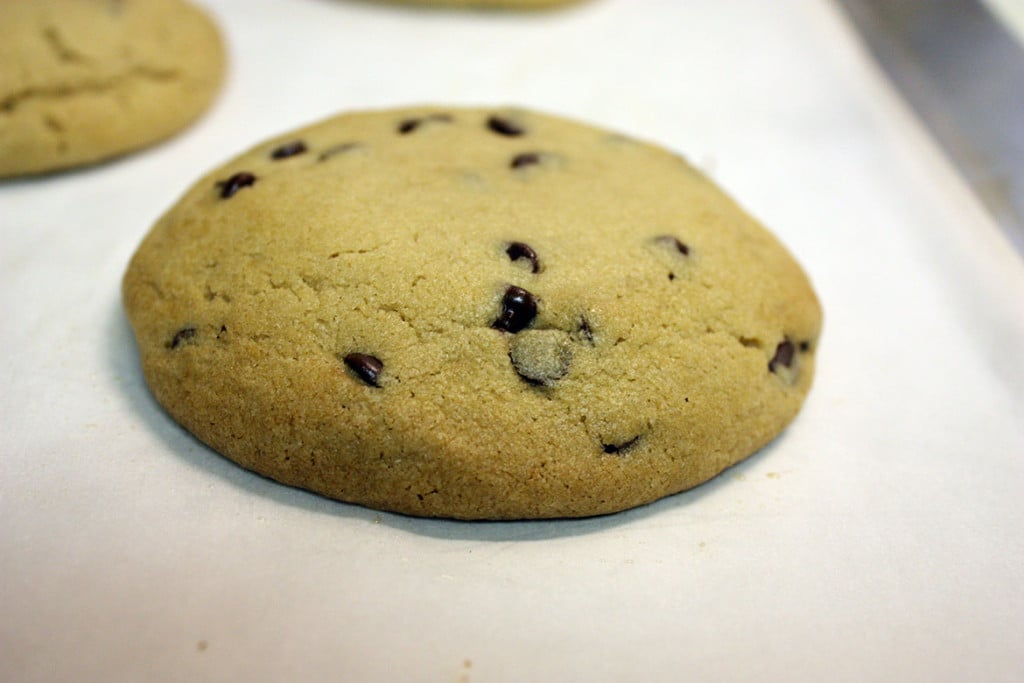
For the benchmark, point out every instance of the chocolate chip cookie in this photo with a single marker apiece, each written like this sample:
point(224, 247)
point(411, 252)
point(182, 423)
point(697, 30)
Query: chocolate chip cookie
point(86, 80)
point(471, 313)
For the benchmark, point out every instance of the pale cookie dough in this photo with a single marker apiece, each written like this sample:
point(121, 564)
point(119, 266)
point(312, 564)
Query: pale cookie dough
point(82, 81)
point(471, 313)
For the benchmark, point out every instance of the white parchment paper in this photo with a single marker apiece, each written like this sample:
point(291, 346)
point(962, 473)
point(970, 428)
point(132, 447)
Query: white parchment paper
point(880, 538)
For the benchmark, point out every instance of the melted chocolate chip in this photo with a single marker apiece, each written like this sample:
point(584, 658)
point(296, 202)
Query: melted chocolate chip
point(229, 187)
point(503, 126)
point(783, 355)
point(518, 309)
point(289, 150)
point(620, 447)
point(525, 159)
point(522, 250)
point(182, 336)
point(673, 242)
point(366, 367)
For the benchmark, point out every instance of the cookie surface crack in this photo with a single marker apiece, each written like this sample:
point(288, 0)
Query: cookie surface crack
point(9, 103)
point(61, 49)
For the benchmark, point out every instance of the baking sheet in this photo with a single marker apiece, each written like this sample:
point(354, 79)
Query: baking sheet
point(878, 539)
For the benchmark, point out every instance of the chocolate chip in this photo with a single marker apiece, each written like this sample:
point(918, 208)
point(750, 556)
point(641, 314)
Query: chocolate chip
point(672, 242)
point(337, 149)
point(289, 150)
point(409, 125)
point(585, 332)
point(522, 250)
point(518, 309)
point(503, 126)
point(620, 447)
point(182, 336)
point(525, 159)
point(229, 187)
point(366, 367)
point(805, 346)
point(783, 355)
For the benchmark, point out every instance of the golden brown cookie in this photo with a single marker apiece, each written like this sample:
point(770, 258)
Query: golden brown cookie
point(86, 80)
point(471, 313)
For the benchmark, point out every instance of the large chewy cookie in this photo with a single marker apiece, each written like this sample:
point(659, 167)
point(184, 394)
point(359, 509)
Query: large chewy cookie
point(86, 80)
point(471, 313)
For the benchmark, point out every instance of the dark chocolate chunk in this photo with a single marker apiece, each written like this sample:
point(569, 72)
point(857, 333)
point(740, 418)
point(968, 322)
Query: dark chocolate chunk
point(525, 159)
point(366, 367)
point(182, 336)
point(229, 187)
point(783, 355)
point(673, 242)
point(503, 126)
point(620, 447)
point(518, 309)
point(288, 150)
point(805, 346)
point(522, 250)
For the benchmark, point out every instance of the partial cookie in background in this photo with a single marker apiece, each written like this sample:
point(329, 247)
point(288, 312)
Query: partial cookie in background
point(82, 81)
point(488, 4)
point(471, 313)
